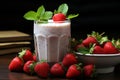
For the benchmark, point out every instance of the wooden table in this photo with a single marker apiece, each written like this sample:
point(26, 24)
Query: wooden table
point(5, 74)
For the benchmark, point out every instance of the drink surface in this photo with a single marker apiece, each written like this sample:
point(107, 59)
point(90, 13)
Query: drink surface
point(52, 40)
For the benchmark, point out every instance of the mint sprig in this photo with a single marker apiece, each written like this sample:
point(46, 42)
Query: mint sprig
point(63, 8)
point(40, 15)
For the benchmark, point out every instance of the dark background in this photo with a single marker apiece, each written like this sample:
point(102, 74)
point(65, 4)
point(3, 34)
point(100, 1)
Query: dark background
point(97, 15)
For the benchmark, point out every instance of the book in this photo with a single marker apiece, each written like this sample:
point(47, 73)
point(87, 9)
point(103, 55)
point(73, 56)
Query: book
point(13, 35)
point(12, 50)
point(14, 44)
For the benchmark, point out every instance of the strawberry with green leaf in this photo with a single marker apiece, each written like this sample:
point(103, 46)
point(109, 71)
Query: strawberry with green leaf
point(29, 67)
point(26, 54)
point(110, 48)
point(95, 38)
point(89, 40)
point(61, 13)
point(74, 71)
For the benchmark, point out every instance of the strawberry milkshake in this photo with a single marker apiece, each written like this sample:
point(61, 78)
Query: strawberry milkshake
point(52, 32)
point(52, 40)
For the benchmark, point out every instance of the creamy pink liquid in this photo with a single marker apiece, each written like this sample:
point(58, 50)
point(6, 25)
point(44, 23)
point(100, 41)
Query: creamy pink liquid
point(52, 40)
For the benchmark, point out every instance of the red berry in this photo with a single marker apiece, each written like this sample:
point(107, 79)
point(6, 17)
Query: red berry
point(98, 50)
point(26, 54)
point(89, 70)
point(57, 70)
point(16, 64)
point(73, 71)
point(29, 67)
point(89, 40)
point(59, 17)
point(110, 48)
point(42, 69)
point(69, 59)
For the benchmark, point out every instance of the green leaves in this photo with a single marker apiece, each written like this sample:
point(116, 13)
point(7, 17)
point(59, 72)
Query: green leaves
point(31, 15)
point(63, 8)
point(41, 14)
point(72, 16)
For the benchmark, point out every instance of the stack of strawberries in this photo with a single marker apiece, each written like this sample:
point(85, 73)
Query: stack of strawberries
point(69, 67)
point(96, 43)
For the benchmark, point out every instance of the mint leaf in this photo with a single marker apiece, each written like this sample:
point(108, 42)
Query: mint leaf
point(47, 15)
point(40, 15)
point(63, 8)
point(40, 11)
point(72, 16)
point(83, 50)
point(31, 15)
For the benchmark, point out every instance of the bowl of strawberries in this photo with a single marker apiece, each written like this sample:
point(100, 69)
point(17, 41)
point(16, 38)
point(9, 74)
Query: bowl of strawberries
point(99, 50)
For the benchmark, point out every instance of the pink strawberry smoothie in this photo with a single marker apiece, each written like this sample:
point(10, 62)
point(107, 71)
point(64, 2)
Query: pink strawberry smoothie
point(52, 40)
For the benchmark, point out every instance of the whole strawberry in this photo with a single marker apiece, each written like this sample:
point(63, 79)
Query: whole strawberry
point(16, 64)
point(69, 59)
point(57, 70)
point(89, 40)
point(29, 67)
point(89, 70)
point(98, 50)
point(109, 48)
point(42, 69)
point(74, 71)
point(59, 17)
point(26, 54)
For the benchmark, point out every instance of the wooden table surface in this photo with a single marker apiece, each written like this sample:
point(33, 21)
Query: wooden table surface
point(5, 74)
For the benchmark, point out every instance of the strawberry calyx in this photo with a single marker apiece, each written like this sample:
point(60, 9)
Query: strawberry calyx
point(116, 43)
point(79, 66)
point(22, 53)
point(32, 65)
